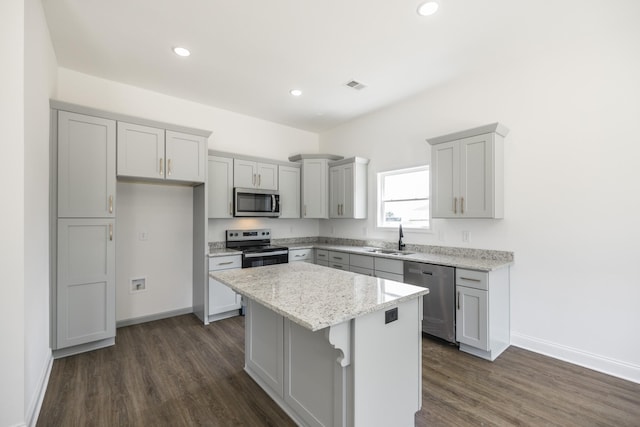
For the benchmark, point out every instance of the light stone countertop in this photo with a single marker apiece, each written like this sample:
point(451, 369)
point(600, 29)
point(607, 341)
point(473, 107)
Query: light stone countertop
point(316, 297)
point(222, 252)
point(472, 263)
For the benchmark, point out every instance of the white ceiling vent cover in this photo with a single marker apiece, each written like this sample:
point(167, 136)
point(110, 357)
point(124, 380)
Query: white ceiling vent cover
point(353, 84)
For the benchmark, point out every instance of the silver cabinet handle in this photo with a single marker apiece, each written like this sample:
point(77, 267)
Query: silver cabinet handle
point(458, 300)
point(455, 205)
point(471, 280)
point(305, 210)
point(253, 180)
point(169, 167)
point(428, 273)
point(230, 208)
point(298, 256)
point(111, 232)
point(226, 263)
point(111, 204)
point(259, 179)
point(161, 166)
point(462, 205)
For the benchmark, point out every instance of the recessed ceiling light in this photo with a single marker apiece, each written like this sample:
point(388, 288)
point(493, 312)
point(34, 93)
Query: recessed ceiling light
point(181, 51)
point(295, 92)
point(427, 8)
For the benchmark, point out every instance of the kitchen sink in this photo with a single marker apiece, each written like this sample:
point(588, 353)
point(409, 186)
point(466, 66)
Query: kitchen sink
point(388, 251)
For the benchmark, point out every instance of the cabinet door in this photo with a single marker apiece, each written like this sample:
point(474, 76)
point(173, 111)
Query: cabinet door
point(267, 176)
point(476, 177)
point(336, 191)
point(86, 166)
point(186, 157)
point(245, 174)
point(315, 185)
point(222, 298)
point(348, 187)
point(220, 187)
point(445, 180)
point(289, 184)
point(140, 151)
point(86, 281)
point(472, 317)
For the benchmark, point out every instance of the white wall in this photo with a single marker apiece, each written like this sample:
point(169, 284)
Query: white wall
point(140, 207)
point(40, 80)
point(570, 96)
point(12, 226)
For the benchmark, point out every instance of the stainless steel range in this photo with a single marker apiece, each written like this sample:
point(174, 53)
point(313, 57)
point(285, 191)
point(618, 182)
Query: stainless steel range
point(256, 247)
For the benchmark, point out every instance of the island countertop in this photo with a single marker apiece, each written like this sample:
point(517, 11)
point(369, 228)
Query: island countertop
point(316, 297)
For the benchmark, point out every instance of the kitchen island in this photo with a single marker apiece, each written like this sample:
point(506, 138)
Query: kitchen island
point(333, 348)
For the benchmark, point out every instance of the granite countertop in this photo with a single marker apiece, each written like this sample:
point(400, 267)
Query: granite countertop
point(222, 252)
point(316, 297)
point(469, 262)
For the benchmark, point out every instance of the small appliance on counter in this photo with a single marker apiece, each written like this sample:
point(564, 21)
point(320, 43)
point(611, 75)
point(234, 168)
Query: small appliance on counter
point(256, 247)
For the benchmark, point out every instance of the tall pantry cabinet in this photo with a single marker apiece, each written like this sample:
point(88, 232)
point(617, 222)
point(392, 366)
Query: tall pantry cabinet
point(85, 246)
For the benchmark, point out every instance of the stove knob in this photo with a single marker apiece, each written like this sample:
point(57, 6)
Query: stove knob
point(267, 233)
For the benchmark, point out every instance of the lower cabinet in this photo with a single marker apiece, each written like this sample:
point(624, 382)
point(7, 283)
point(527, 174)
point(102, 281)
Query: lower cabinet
point(339, 260)
point(362, 264)
point(391, 269)
point(322, 257)
point(305, 255)
point(482, 312)
point(223, 301)
point(86, 278)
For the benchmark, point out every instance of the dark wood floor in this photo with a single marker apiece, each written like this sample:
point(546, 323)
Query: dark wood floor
point(178, 372)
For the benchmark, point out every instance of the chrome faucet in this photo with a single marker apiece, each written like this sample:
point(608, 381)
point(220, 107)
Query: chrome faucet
point(401, 245)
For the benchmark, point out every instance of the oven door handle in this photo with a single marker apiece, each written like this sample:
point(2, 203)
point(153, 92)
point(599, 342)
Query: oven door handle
point(265, 254)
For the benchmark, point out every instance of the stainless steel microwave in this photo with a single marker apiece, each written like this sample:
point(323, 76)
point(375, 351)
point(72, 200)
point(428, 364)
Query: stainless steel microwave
point(255, 202)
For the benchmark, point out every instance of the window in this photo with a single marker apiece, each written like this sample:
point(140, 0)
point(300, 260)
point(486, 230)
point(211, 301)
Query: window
point(403, 198)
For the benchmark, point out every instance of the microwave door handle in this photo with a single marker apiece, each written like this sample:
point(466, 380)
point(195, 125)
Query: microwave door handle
point(273, 203)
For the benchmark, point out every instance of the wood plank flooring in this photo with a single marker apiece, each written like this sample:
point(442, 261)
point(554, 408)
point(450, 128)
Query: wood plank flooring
point(178, 372)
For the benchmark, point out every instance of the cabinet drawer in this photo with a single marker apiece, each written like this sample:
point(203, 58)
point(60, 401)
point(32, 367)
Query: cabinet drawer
point(363, 261)
point(300, 255)
point(323, 263)
point(225, 262)
point(389, 265)
point(322, 255)
point(339, 257)
point(472, 279)
point(361, 270)
point(390, 276)
point(339, 266)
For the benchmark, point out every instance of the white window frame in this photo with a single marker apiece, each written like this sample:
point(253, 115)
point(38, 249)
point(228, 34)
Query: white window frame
point(379, 202)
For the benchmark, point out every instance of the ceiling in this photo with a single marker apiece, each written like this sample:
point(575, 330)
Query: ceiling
point(248, 54)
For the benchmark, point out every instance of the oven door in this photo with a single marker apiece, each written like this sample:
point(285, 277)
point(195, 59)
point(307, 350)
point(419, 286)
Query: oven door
point(252, 202)
point(266, 258)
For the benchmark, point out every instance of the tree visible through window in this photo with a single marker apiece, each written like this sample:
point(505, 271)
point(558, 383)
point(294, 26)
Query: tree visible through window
point(403, 198)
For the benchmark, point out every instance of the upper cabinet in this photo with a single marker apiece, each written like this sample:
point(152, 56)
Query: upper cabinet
point(153, 153)
point(348, 188)
point(250, 174)
point(467, 173)
point(315, 188)
point(220, 187)
point(289, 185)
point(86, 166)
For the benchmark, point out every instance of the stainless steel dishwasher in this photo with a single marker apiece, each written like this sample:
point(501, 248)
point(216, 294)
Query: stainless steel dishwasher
point(439, 304)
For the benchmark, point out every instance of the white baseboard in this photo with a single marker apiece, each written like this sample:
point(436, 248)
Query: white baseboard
point(152, 317)
point(36, 402)
point(616, 368)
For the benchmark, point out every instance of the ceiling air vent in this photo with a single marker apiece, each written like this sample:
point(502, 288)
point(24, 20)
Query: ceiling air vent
point(353, 84)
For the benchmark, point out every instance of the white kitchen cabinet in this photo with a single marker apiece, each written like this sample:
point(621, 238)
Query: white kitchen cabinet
point(86, 181)
point(348, 188)
point(153, 153)
point(467, 173)
point(186, 157)
point(315, 188)
point(224, 302)
point(220, 187)
point(86, 282)
point(482, 312)
point(392, 269)
point(322, 257)
point(362, 264)
point(289, 185)
point(339, 260)
point(250, 174)
point(305, 255)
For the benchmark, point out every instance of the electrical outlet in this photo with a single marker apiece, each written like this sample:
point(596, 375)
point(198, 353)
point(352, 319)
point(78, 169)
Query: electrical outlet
point(143, 236)
point(138, 284)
